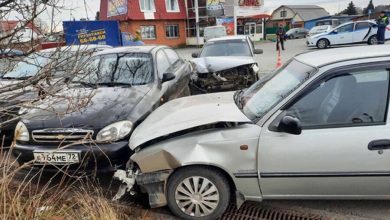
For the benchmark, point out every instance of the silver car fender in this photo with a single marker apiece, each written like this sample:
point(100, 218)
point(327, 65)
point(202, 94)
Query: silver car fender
point(231, 150)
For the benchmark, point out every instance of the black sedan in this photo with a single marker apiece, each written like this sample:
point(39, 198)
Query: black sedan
point(87, 127)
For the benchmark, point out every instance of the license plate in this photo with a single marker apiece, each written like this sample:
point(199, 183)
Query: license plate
point(57, 157)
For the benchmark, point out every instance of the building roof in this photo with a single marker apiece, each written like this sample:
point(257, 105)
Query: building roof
point(12, 24)
point(324, 57)
point(307, 12)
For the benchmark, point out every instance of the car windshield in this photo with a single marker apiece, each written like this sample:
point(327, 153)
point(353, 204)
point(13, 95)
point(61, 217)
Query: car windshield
point(29, 66)
point(269, 91)
point(118, 69)
point(237, 47)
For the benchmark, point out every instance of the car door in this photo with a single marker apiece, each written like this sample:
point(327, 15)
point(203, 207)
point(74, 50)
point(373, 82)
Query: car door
point(362, 32)
point(342, 35)
point(342, 151)
point(178, 87)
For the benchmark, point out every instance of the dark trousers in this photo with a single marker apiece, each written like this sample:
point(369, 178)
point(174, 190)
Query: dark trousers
point(381, 35)
point(281, 42)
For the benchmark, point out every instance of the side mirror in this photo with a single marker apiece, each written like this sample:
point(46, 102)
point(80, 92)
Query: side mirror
point(290, 125)
point(195, 55)
point(335, 31)
point(258, 51)
point(168, 77)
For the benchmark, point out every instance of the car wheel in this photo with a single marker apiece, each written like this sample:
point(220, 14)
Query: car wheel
point(323, 44)
point(198, 193)
point(373, 40)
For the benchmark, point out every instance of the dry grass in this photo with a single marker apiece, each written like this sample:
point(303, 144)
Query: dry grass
point(28, 195)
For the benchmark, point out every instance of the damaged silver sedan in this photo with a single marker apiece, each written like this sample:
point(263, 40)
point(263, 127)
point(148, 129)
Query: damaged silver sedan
point(225, 64)
point(314, 129)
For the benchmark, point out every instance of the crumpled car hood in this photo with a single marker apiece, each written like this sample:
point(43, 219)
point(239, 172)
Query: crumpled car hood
point(215, 64)
point(186, 113)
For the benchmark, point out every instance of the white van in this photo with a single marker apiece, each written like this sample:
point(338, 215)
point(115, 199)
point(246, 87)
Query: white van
point(214, 32)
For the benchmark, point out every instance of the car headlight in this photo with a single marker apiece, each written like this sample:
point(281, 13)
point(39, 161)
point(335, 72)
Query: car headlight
point(115, 131)
point(21, 132)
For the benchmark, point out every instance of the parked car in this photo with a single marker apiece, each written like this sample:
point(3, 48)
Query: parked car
point(225, 64)
point(214, 32)
point(26, 83)
point(348, 33)
point(310, 130)
point(89, 128)
point(8, 59)
point(296, 33)
point(319, 30)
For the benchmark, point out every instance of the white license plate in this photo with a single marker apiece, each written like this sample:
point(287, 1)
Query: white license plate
point(57, 157)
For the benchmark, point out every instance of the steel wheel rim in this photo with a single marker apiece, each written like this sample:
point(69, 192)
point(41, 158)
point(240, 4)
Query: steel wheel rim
point(374, 41)
point(197, 196)
point(322, 44)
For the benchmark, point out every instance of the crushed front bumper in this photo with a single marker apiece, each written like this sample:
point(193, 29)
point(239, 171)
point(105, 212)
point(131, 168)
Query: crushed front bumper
point(153, 183)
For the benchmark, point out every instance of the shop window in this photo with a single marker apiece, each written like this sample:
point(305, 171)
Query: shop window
point(172, 5)
point(148, 32)
point(147, 5)
point(172, 31)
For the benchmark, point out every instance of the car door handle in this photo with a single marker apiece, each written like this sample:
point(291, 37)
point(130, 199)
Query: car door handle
point(379, 145)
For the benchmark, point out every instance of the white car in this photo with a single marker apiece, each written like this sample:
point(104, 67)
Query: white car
point(348, 33)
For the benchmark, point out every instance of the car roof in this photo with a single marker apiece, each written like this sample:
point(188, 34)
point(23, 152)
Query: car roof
point(132, 49)
point(236, 37)
point(75, 48)
point(324, 57)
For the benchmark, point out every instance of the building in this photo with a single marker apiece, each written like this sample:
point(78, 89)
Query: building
point(294, 16)
point(158, 21)
point(242, 17)
point(329, 20)
point(18, 32)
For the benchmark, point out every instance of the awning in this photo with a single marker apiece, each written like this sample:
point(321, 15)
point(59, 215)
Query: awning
point(260, 16)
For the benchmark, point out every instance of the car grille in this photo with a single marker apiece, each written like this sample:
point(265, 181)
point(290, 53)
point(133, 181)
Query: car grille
point(61, 135)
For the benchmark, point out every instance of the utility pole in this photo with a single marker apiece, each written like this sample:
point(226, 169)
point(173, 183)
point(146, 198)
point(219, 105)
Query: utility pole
point(52, 20)
point(196, 2)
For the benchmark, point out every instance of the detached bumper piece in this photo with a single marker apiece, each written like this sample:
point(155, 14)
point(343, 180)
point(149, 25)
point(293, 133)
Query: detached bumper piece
point(153, 183)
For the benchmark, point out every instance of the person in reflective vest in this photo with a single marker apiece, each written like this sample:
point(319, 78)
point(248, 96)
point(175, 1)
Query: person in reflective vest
point(382, 22)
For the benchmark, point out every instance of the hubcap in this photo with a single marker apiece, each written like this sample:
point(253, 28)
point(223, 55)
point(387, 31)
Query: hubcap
point(322, 44)
point(197, 196)
point(374, 40)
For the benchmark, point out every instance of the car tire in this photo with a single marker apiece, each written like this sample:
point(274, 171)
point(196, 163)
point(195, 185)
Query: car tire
point(323, 44)
point(191, 205)
point(373, 40)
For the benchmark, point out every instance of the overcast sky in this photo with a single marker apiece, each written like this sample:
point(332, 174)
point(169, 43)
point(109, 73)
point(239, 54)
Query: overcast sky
point(76, 9)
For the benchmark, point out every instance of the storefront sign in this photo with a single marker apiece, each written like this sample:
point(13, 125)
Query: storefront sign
point(228, 23)
point(215, 8)
point(248, 11)
point(249, 2)
point(92, 32)
point(116, 7)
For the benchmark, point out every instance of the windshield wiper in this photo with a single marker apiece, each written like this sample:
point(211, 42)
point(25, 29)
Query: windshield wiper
point(85, 83)
point(17, 78)
point(114, 84)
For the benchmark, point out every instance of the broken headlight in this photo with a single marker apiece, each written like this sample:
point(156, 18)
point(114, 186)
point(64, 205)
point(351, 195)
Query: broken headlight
point(115, 131)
